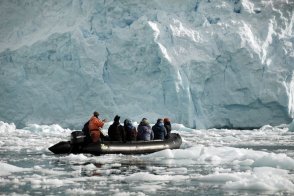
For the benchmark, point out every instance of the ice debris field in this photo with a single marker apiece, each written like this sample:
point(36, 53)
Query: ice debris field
point(215, 161)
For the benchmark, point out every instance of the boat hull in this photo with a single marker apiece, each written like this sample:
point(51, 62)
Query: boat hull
point(111, 147)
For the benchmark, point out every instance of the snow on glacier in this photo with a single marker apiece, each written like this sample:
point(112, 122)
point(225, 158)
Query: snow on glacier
point(202, 63)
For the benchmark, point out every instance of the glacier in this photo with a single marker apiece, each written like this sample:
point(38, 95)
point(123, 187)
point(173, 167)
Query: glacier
point(203, 63)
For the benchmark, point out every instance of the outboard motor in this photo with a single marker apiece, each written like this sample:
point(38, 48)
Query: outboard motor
point(77, 137)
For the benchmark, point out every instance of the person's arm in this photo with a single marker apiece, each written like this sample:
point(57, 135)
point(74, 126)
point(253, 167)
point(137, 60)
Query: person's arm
point(99, 123)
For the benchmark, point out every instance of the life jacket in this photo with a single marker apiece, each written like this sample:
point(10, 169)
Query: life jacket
point(95, 124)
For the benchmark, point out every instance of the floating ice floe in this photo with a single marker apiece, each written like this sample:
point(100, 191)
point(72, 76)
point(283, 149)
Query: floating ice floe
point(7, 169)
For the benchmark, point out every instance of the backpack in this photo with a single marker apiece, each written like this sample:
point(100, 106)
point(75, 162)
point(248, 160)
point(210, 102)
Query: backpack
point(86, 132)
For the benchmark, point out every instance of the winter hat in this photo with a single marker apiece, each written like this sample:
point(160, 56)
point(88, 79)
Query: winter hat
point(127, 121)
point(116, 118)
point(145, 121)
point(96, 113)
point(159, 120)
point(166, 120)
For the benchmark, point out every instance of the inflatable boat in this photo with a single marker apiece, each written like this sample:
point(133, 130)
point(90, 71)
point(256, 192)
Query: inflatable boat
point(78, 145)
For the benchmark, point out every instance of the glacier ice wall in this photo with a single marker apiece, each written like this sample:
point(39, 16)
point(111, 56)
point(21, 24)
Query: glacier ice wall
point(203, 63)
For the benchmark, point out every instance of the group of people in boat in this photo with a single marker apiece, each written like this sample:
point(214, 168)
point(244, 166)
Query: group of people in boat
point(126, 132)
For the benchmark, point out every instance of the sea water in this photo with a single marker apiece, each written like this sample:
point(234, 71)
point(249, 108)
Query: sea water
point(209, 162)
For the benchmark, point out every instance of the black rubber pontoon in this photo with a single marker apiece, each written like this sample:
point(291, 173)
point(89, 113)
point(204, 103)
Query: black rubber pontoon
point(111, 147)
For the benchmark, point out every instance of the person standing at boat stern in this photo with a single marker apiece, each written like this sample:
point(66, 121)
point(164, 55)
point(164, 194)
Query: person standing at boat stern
point(144, 131)
point(95, 126)
point(159, 130)
point(116, 130)
point(167, 126)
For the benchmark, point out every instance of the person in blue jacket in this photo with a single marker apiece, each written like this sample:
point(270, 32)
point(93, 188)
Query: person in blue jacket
point(159, 130)
point(144, 131)
point(130, 130)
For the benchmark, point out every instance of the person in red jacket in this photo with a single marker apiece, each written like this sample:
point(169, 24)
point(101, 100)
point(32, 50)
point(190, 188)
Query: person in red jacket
point(95, 126)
